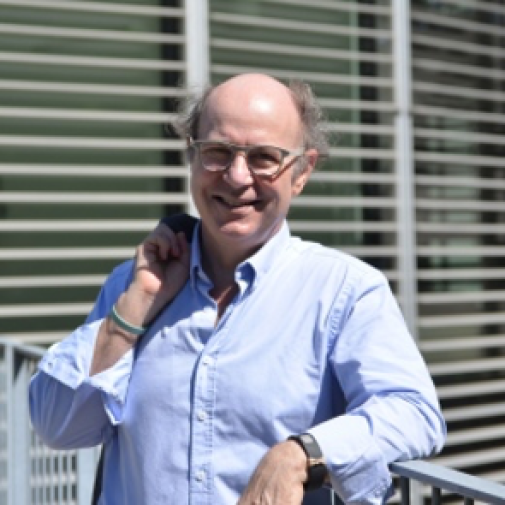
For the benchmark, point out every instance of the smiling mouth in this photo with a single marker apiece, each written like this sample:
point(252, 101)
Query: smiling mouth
point(236, 205)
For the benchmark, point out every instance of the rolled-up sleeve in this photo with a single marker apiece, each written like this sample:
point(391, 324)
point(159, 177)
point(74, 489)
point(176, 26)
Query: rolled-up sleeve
point(68, 408)
point(392, 408)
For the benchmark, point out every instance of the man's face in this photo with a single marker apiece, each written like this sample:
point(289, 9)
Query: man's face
point(237, 208)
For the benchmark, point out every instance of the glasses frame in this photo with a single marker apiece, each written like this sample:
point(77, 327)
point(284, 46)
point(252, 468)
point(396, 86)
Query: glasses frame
point(196, 145)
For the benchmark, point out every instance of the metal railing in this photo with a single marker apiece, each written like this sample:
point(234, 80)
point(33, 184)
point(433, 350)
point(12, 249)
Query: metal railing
point(32, 474)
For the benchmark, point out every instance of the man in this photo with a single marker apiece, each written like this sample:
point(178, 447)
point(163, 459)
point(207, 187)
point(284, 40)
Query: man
point(198, 363)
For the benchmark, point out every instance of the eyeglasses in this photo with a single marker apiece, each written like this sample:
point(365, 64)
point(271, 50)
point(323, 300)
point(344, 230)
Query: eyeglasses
point(264, 161)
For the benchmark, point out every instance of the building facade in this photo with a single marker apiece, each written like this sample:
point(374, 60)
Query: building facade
point(414, 94)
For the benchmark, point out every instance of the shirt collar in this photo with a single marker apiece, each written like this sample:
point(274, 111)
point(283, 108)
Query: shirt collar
point(259, 263)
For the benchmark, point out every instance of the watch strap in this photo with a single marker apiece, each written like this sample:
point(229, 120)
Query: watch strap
point(317, 471)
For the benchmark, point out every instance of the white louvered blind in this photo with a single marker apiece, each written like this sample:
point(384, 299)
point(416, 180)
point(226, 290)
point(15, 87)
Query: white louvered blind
point(86, 169)
point(344, 50)
point(459, 126)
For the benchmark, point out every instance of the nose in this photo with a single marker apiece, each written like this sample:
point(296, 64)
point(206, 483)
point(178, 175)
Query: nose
point(238, 172)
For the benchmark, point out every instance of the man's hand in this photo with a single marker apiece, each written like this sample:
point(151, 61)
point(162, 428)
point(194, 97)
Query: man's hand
point(279, 477)
point(161, 270)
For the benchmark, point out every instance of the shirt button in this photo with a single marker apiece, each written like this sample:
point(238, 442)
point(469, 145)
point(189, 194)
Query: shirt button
point(207, 360)
point(200, 476)
point(202, 415)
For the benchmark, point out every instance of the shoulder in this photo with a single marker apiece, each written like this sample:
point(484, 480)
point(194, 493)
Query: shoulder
point(315, 257)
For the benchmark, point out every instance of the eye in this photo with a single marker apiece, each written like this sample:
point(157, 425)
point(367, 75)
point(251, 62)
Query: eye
point(215, 153)
point(264, 157)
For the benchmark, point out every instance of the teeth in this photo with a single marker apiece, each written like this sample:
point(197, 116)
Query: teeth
point(236, 204)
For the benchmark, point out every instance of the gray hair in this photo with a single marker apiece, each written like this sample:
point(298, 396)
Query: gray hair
point(315, 135)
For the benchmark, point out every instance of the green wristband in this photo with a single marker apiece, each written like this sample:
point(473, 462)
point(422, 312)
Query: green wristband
point(125, 325)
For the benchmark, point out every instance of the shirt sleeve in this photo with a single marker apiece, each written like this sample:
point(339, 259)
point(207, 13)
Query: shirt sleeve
point(392, 408)
point(68, 408)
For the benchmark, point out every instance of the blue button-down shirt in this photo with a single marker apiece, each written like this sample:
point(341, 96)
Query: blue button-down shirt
point(314, 341)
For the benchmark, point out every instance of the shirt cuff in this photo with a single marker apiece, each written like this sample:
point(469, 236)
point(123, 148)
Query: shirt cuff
point(358, 471)
point(69, 362)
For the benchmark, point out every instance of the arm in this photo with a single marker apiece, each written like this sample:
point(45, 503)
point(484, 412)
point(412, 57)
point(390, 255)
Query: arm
point(392, 408)
point(161, 269)
point(80, 388)
point(392, 411)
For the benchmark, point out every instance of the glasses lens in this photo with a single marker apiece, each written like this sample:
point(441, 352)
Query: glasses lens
point(215, 156)
point(264, 159)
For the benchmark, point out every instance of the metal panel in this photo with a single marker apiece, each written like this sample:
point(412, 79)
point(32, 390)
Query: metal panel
point(459, 116)
point(86, 166)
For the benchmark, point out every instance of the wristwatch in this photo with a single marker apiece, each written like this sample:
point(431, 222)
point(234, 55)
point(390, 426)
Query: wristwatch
point(317, 472)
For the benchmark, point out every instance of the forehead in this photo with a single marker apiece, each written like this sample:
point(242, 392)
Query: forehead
point(252, 114)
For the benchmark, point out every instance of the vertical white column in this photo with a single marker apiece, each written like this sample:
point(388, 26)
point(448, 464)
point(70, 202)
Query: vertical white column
point(197, 55)
point(405, 217)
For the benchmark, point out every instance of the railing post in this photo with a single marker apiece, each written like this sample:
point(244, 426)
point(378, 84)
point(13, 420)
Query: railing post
point(86, 467)
point(20, 428)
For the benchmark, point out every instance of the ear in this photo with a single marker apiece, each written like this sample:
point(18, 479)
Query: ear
point(299, 181)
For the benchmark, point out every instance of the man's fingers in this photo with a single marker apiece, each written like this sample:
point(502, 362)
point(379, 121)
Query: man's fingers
point(165, 241)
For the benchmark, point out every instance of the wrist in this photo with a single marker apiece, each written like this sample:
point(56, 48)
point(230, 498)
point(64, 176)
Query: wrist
point(317, 472)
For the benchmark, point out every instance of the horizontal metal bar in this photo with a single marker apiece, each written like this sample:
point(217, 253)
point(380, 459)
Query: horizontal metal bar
point(459, 159)
point(461, 297)
point(465, 115)
point(317, 201)
point(40, 338)
point(320, 77)
point(299, 51)
point(462, 92)
point(450, 204)
point(375, 251)
point(339, 226)
point(459, 136)
point(485, 434)
point(459, 320)
point(85, 115)
point(481, 5)
point(38, 310)
point(71, 197)
point(467, 342)
point(89, 143)
point(85, 171)
point(29, 351)
point(466, 366)
point(451, 480)
point(447, 67)
point(91, 89)
point(461, 251)
point(438, 43)
point(352, 177)
point(471, 458)
point(45, 281)
point(457, 228)
point(110, 8)
point(333, 103)
point(460, 274)
point(329, 5)
point(456, 22)
point(471, 389)
point(65, 253)
point(89, 34)
point(88, 61)
point(384, 129)
point(301, 26)
point(459, 182)
point(81, 225)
